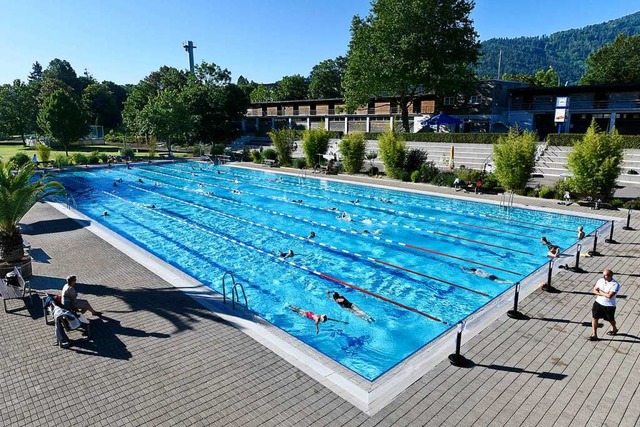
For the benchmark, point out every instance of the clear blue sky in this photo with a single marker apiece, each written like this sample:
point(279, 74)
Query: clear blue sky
point(125, 40)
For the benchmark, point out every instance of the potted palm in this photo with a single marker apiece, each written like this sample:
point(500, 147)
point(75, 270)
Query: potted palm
point(19, 191)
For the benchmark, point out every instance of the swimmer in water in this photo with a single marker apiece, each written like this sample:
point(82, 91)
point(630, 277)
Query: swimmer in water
point(311, 235)
point(286, 255)
point(482, 273)
point(348, 305)
point(317, 318)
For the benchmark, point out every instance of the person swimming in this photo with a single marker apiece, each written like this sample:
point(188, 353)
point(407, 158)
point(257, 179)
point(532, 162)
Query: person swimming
point(317, 318)
point(484, 274)
point(348, 305)
point(554, 251)
point(344, 216)
point(288, 254)
point(311, 235)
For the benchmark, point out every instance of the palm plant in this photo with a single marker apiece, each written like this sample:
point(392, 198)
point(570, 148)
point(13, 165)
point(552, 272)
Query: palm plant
point(18, 193)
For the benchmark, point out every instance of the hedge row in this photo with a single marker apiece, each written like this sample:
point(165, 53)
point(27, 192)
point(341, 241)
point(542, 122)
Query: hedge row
point(458, 138)
point(568, 139)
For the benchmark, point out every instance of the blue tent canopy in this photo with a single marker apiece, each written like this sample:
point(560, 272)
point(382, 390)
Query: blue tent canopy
point(441, 119)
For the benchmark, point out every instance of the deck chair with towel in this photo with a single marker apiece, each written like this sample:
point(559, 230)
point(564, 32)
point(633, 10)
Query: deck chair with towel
point(64, 319)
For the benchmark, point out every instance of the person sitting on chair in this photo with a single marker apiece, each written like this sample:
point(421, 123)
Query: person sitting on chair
point(70, 298)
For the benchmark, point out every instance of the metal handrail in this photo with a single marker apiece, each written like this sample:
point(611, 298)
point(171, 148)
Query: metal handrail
point(235, 297)
point(224, 292)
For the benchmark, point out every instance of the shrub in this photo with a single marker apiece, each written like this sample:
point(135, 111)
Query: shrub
point(633, 204)
point(79, 159)
point(315, 142)
point(569, 139)
point(415, 176)
point(444, 179)
point(283, 140)
point(457, 138)
point(93, 158)
point(547, 192)
point(128, 153)
point(217, 149)
point(428, 172)
point(299, 163)
point(414, 159)
point(353, 149)
point(104, 158)
point(270, 154)
point(256, 156)
point(491, 183)
point(197, 151)
point(21, 158)
point(62, 160)
point(595, 162)
point(392, 150)
point(616, 203)
point(44, 152)
point(514, 158)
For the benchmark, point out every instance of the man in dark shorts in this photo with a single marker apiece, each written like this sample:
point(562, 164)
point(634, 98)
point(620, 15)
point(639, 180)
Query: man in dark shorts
point(604, 307)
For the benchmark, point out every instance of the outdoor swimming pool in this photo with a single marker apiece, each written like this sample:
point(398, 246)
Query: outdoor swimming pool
point(399, 256)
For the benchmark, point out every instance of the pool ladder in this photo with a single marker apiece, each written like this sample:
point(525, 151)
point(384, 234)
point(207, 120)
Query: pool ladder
point(506, 201)
point(234, 291)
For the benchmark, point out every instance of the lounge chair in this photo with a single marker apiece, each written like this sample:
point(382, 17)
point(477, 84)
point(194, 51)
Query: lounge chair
point(64, 319)
point(13, 286)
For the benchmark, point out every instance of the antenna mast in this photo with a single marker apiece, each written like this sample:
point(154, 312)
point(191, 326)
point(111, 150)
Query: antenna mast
point(189, 46)
point(499, 63)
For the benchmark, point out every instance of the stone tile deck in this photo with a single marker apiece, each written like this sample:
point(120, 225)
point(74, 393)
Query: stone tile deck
point(158, 358)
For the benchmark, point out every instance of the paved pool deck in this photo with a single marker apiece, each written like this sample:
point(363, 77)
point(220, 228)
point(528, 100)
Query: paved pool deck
point(159, 358)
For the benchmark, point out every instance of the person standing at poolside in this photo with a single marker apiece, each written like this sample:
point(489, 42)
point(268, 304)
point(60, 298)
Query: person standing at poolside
point(604, 307)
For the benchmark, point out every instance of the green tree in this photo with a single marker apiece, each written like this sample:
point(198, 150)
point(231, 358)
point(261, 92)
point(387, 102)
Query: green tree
point(546, 78)
point(167, 117)
point(404, 48)
point(595, 163)
point(62, 119)
point(18, 193)
point(514, 158)
point(283, 140)
point(261, 93)
point(100, 106)
point(18, 109)
point(325, 79)
point(392, 150)
point(60, 69)
point(36, 72)
point(291, 87)
point(353, 147)
point(315, 142)
point(618, 62)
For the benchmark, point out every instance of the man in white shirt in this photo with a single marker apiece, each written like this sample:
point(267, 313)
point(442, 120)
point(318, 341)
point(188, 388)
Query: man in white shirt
point(604, 307)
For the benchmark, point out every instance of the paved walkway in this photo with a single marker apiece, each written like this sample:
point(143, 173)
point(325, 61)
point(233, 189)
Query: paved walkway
point(158, 358)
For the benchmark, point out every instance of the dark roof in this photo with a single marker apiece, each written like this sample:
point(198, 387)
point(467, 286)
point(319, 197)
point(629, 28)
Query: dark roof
point(567, 90)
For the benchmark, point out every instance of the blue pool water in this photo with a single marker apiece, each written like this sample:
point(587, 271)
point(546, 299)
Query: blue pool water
point(398, 256)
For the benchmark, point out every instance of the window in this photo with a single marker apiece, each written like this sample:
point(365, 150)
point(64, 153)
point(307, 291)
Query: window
point(449, 100)
point(475, 99)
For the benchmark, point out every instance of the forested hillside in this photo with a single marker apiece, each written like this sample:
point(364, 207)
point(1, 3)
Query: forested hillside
point(565, 51)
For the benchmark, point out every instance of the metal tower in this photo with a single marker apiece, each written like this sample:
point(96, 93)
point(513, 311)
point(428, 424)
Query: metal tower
point(189, 46)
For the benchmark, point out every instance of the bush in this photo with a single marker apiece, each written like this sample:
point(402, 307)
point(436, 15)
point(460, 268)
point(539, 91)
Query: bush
point(62, 160)
point(456, 138)
point(104, 158)
point(353, 149)
point(79, 159)
point(415, 176)
point(315, 142)
point(616, 203)
point(128, 153)
point(44, 152)
point(547, 192)
point(299, 163)
point(197, 151)
point(392, 150)
point(414, 159)
point(427, 172)
point(490, 183)
point(20, 159)
point(472, 175)
point(93, 158)
point(270, 154)
point(444, 179)
point(633, 204)
point(256, 156)
point(283, 140)
point(569, 139)
point(217, 149)
point(514, 158)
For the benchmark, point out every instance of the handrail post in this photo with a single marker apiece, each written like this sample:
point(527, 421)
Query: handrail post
point(576, 268)
point(515, 314)
point(628, 226)
point(548, 287)
point(457, 359)
point(594, 252)
point(610, 239)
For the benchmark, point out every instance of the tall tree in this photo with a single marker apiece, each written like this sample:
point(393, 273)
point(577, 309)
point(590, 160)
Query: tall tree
point(404, 48)
point(167, 117)
point(18, 109)
point(261, 93)
point(36, 72)
point(62, 119)
point(100, 106)
point(60, 69)
point(325, 79)
point(291, 88)
point(618, 62)
point(595, 163)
